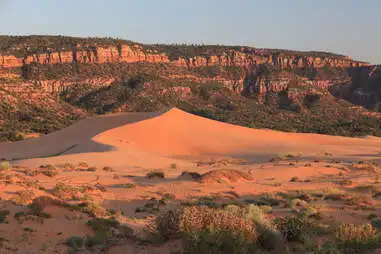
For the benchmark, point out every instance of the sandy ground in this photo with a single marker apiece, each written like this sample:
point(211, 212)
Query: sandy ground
point(134, 144)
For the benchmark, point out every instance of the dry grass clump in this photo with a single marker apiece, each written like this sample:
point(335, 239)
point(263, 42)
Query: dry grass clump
point(40, 203)
point(345, 182)
point(357, 238)
point(298, 205)
point(225, 175)
point(293, 228)
point(48, 170)
point(124, 185)
point(5, 166)
point(108, 169)
point(295, 179)
point(87, 169)
point(83, 165)
point(286, 156)
point(24, 197)
point(360, 202)
point(198, 218)
point(331, 193)
point(232, 229)
point(221, 162)
point(366, 166)
point(93, 209)
point(106, 232)
point(64, 191)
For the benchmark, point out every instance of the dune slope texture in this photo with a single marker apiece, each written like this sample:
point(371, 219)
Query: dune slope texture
point(154, 139)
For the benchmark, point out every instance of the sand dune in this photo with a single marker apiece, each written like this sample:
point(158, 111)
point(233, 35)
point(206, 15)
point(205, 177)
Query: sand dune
point(154, 140)
point(133, 144)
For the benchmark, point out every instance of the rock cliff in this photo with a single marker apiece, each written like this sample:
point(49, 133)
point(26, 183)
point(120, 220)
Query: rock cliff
point(130, 53)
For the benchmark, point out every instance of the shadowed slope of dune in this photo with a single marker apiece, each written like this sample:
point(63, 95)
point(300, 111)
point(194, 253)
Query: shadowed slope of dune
point(63, 141)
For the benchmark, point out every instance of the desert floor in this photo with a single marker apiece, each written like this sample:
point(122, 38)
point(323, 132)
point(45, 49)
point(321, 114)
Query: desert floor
point(131, 166)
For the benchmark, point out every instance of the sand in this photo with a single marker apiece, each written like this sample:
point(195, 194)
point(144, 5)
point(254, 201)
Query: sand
point(175, 136)
point(133, 144)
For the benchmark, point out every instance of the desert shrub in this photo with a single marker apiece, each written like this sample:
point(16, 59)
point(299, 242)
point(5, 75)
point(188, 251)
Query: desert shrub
point(345, 182)
point(76, 242)
point(62, 190)
point(92, 169)
point(5, 165)
point(92, 209)
point(124, 185)
point(23, 197)
point(168, 196)
point(266, 208)
point(216, 242)
point(333, 194)
point(87, 169)
point(216, 231)
point(108, 169)
point(208, 201)
point(48, 170)
point(199, 218)
point(155, 174)
point(83, 164)
point(3, 215)
point(297, 204)
point(169, 224)
point(376, 223)
point(266, 199)
point(106, 230)
point(310, 211)
point(357, 238)
point(48, 166)
point(269, 236)
point(40, 203)
point(295, 179)
point(293, 228)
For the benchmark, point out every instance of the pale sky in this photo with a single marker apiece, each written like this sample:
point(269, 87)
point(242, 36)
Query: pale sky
point(349, 27)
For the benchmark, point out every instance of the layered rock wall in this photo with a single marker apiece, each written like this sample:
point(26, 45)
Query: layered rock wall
point(137, 53)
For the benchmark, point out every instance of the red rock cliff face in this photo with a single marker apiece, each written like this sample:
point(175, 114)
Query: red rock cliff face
point(98, 55)
point(136, 53)
point(281, 62)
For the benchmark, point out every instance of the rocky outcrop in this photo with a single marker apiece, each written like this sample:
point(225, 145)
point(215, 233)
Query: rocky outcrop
point(54, 86)
point(280, 62)
point(96, 55)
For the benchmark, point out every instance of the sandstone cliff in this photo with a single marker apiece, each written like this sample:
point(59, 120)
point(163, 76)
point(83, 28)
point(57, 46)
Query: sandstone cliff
point(130, 53)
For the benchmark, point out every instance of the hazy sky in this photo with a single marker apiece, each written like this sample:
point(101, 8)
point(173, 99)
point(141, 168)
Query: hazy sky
point(351, 27)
